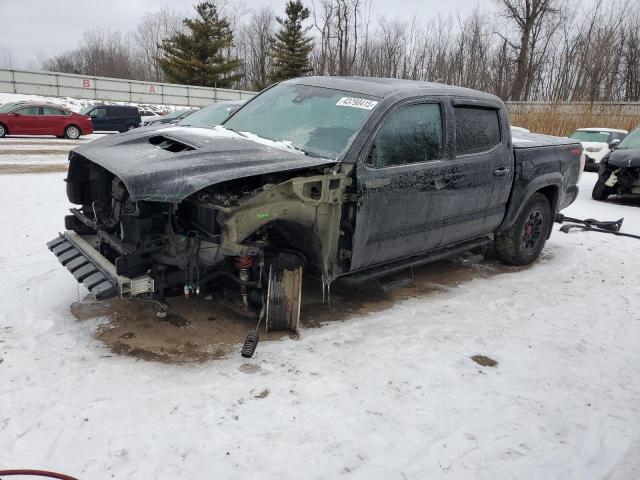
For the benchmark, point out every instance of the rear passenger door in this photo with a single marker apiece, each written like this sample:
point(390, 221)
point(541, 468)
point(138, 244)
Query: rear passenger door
point(481, 173)
point(54, 120)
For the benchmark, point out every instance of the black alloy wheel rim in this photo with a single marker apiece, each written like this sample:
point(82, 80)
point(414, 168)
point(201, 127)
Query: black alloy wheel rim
point(532, 231)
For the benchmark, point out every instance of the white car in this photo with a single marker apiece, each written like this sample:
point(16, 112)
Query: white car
point(519, 130)
point(147, 115)
point(597, 143)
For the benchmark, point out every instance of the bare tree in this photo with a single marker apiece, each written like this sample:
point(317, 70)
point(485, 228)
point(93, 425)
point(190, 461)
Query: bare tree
point(531, 18)
point(7, 59)
point(254, 42)
point(152, 29)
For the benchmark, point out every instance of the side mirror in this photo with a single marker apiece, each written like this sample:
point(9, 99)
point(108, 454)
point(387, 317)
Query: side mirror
point(614, 143)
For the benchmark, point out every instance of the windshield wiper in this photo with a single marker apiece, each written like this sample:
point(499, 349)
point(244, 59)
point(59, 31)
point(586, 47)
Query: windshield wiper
point(232, 130)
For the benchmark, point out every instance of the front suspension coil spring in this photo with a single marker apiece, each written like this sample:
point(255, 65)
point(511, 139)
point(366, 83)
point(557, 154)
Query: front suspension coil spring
point(243, 264)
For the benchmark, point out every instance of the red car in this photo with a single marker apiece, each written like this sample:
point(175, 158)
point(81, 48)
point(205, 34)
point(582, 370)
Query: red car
point(28, 118)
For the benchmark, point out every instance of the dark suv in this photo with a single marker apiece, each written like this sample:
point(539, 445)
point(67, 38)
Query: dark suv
point(113, 118)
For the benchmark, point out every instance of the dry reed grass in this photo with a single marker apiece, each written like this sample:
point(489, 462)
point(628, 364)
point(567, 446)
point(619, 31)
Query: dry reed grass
point(553, 122)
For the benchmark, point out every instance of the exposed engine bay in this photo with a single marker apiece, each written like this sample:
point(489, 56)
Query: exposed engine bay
point(246, 241)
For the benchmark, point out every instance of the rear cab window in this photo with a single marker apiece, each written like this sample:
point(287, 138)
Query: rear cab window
point(477, 129)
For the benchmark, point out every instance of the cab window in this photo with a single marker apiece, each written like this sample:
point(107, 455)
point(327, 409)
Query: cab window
point(477, 129)
point(98, 112)
point(413, 134)
point(52, 111)
point(29, 111)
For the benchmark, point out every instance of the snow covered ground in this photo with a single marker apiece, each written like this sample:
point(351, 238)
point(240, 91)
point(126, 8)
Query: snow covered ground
point(386, 395)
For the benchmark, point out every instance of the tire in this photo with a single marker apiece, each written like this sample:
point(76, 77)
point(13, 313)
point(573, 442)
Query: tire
point(600, 191)
point(524, 241)
point(72, 132)
point(3, 130)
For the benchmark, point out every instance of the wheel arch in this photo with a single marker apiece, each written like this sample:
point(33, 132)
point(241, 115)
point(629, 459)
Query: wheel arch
point(295, 236)
point(548, 185)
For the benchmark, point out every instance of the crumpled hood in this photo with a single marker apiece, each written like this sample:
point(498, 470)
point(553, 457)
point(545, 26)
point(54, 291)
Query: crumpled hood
point(624, 158)
point(169, 164)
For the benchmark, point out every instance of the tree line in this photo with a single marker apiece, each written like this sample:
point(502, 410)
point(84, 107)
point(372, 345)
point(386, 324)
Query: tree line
point(529, 50)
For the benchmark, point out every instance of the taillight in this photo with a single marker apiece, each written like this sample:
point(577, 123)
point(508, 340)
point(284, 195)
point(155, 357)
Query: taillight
point(576, 152)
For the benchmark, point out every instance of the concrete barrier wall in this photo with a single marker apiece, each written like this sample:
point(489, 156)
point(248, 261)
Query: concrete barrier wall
point(113, 89)
point(630, 109)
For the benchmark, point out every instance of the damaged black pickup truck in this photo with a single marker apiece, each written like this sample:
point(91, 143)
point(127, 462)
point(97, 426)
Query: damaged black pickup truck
point(335, 177)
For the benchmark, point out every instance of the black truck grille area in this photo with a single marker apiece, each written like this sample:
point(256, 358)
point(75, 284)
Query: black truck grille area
point(85, 272)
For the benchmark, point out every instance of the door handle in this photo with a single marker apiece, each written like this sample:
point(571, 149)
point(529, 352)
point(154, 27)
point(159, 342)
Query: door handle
point(501, 172)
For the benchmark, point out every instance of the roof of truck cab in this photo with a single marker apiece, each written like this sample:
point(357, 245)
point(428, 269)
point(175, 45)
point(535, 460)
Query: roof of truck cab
point(383, 87)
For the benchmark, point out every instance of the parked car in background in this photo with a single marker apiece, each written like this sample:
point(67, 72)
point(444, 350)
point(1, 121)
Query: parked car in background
point(113, 118)
point(595, 144)
point(172, 117)
point(211, 115)
point(29, 118)
point(619, 171)
point(146, 115)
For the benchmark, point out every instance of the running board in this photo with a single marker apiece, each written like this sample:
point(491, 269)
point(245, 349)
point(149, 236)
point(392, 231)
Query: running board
point(93, 270)
point(358, 278)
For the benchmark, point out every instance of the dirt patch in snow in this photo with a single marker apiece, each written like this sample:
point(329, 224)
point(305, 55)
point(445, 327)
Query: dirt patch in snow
point(197, 330)
point(484, 361)
point(15, 168)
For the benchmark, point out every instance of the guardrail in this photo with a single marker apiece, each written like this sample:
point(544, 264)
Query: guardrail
point(53, 84)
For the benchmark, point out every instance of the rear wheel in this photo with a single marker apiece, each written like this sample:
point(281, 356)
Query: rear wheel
point(3, 130)
point(600, 191)
point(524, 241)
point(72, 132)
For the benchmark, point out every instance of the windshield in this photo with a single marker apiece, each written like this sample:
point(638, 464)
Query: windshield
point(175, 114)
point(209, 116)
point(601, 137)
point(631, 141)
point(8, 107)
point(86, 110)
point(319, 121)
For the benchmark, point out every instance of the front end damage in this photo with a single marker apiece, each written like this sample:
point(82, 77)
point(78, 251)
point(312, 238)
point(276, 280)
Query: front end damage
point(247, 241)
point(620, 173)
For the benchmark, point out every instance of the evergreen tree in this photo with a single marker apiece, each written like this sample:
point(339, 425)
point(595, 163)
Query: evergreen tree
point(197, 55)
point(291, 47)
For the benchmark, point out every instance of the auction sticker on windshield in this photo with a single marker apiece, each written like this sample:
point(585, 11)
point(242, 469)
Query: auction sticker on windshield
point(357, 103)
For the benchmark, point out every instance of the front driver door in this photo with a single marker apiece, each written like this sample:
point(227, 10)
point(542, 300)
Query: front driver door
point(400, 184)
point(27, 121)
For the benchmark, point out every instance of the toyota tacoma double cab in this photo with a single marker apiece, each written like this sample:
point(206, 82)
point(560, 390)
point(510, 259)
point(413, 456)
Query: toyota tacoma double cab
point(352, 178)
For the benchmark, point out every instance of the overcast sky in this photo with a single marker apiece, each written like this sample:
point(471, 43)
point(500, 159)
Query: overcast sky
point(48, 27)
